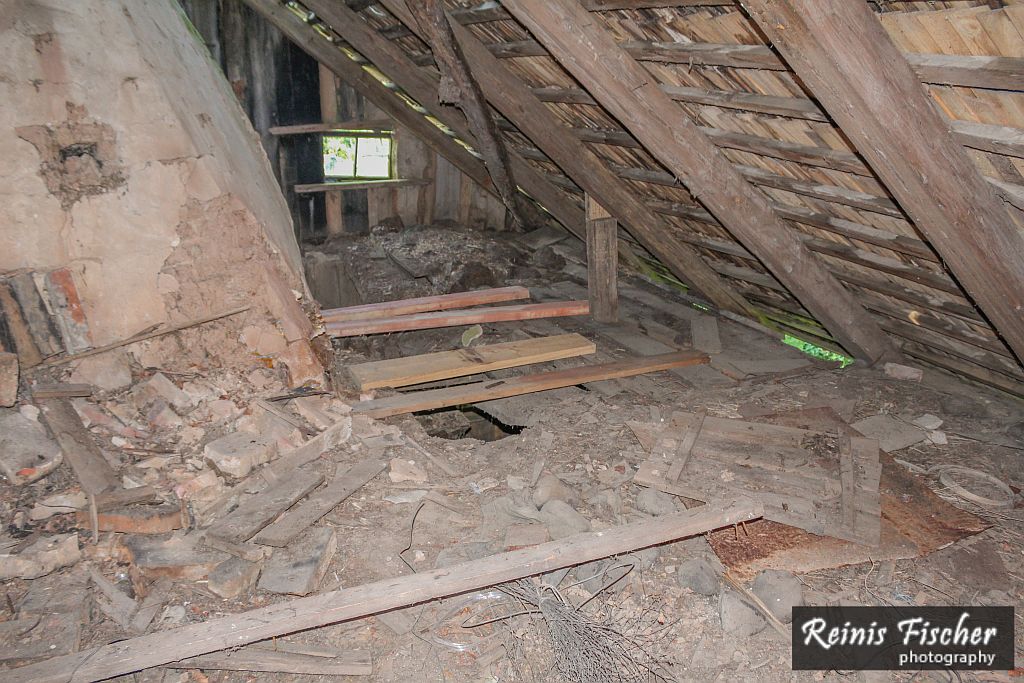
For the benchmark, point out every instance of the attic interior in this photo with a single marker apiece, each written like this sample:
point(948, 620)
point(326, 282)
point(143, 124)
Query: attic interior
point(523, 340)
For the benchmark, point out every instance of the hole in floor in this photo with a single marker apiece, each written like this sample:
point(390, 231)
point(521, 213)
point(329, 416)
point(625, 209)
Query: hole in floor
point(466, 422)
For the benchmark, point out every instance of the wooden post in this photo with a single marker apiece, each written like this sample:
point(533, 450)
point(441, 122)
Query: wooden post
point(602, 263)
point(631, 94)
point(329, 114)
point(846, 59)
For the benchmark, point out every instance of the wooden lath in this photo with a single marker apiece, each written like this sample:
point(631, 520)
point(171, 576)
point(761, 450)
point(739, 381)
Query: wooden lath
point(515, 100)
point(625, 89)
point(847, 60)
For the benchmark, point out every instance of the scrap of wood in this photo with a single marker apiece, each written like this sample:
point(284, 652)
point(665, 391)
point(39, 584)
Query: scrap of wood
point(291, 616)
point(144, 336)
point(246, 551)
point(94, 473)
point(526, 384)
point(148, 519)
point(430, 367)
point(112, 601)
point(29, 354)
point(118, 498)
point(704, 334)
point(285, 417)
point(252, 515)
point(425, 304)
point(295, 521)
point(299, 568)
point(59, 390)
point(150, 606)
point(686, 444)
point(262, 659)
point(427, 321)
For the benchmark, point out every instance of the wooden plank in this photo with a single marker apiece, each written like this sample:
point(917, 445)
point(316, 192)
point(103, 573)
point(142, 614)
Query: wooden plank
point(602, 262)
point(382, 125)
point(17, 328)
point(295, 521)
point(527, 384)
point(291, 616)
point(629, 93)
point(432, 367)
point(264, 660)
point(60, 390)
point(686, 444)
point(345, 185)
point(257, 511)
point(845, 57)
point(425, 304)
point(473, 316)
point(423, 88)
point(92, 470)
point(507, 93)
point(606, 5)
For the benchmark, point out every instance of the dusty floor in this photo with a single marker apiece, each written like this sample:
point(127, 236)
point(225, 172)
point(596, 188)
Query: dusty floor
point(580, 436)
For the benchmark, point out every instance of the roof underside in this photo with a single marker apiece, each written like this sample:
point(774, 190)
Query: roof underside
point(762, 119)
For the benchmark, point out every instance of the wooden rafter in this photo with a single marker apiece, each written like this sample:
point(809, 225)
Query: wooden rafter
point(423, 88)
point(509, 95)
point(459, 87)
point(847, 60)
point(630, 94)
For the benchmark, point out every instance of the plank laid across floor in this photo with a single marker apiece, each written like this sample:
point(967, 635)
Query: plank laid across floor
point(291, 616)
point(427, 321)
point(430, 367)
point(526, 384)
point(425, 304)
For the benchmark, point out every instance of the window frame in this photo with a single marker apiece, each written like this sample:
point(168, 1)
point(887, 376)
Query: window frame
point(358, 135)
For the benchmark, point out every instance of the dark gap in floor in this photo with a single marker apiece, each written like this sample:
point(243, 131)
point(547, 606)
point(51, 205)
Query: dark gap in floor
point(466, 422)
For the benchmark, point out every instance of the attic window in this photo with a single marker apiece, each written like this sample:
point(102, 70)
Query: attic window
point(355, 155)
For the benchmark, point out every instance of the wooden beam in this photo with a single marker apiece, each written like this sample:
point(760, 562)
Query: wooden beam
point(423, 88)
point(342, 185)
point(424, 304)
point(516, 101)
point(431, 367)
point(606, 5)
point(301, 614)
point(383, 125)
point(477, 392)
point(602, 262)
point(630, 94)
point(473, 316)
point(80, 450)
point(459, 87)
point(843, 54)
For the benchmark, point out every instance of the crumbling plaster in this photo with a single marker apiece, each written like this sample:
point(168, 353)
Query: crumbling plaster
point(143, 250)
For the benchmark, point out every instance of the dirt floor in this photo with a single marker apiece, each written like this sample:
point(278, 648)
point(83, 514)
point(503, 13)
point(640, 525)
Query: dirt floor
point(669, 607)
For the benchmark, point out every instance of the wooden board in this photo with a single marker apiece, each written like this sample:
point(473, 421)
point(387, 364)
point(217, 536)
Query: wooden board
point(430, 367)
point(255, 513)
point(293, 522)
point(342, 186)
point(92, 470)
point(602, 262)
point(425, 304)
point(800, 478)
point(261, 659)
point(291, 616)
point(427, 321)
point(527, 384)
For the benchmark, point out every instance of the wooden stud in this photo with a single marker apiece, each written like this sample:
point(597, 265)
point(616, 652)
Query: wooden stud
point(630, 94)
point(602, 263)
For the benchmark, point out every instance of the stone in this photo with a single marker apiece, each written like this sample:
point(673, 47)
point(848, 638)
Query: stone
point(700, 575)
point(892, 434)
point(562, 519)
point(161, 416)
point(315, 410)
point(525, 535)
point(550, 487)
point(27, 452)
point(938, 438)
point(8, 379)
point(159, 387)
point(592, 576)
point(237, 454)
point(617, 474)
point(655, 502)
point(928, 422)
point(302, 365)
point(463, 552)
point(107, 371)
point(41, 558)
point(903, 372)
point(222, 409)
point(233, 577)
point(402, 470)
point(739, 619)
point(299, 569)
point(178, 557)
point(780, 591)
point(58, 504)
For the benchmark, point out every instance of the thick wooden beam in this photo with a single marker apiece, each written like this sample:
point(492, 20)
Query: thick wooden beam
point(459, 87)
point(423, 88)
point(472, 316)
point(344, 185)
point(602, 263)
point(844, 56)
point(300, 614)
point(425, 304)
point(516, 101)
point(631, 95)
point(384, 125)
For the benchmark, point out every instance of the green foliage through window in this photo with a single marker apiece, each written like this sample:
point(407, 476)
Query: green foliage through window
point(352, 156)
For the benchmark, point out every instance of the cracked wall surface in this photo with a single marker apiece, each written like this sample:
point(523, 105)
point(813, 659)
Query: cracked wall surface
point(125, 158)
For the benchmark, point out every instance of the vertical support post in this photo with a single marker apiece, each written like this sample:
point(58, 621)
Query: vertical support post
point(328, 114)
point(602, 262)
